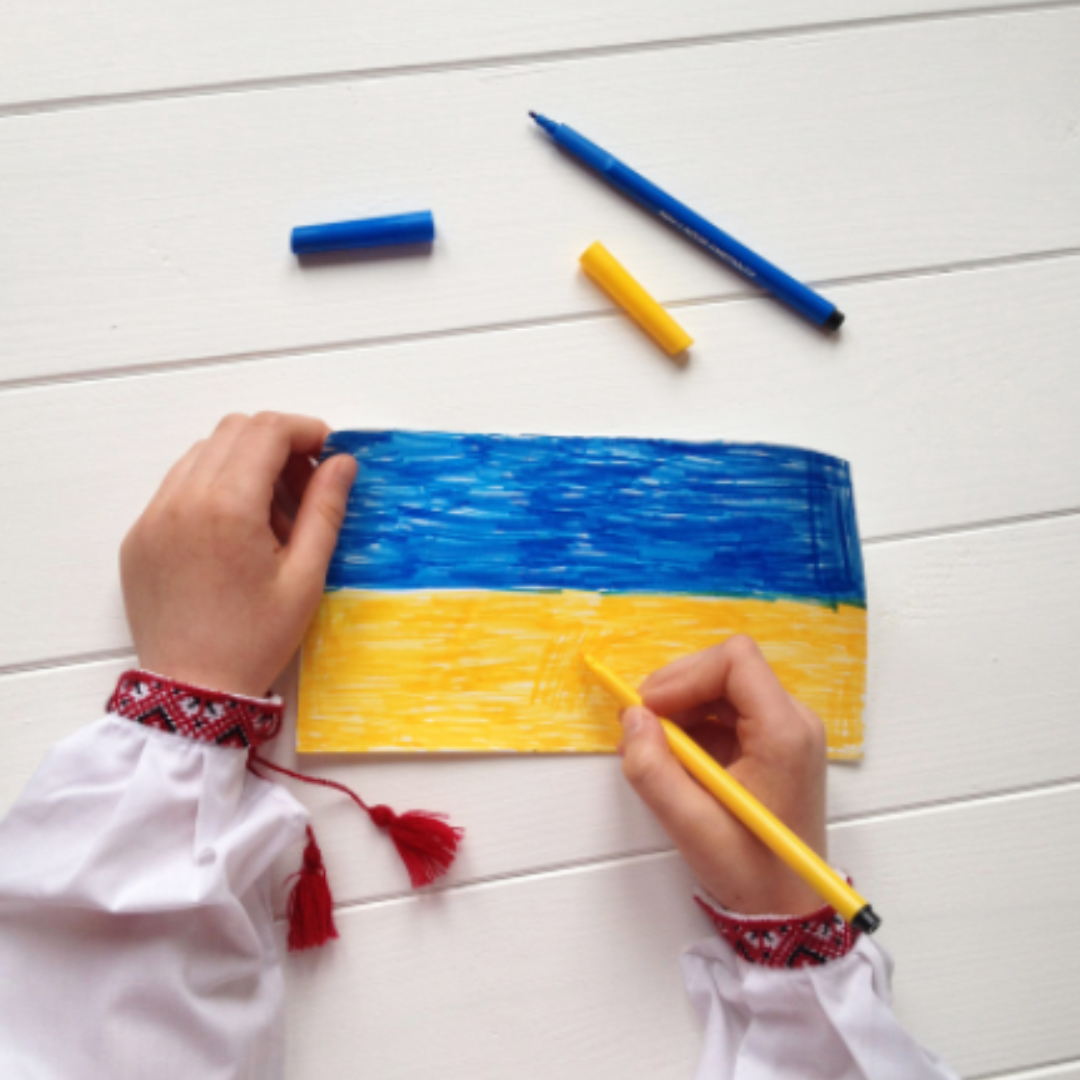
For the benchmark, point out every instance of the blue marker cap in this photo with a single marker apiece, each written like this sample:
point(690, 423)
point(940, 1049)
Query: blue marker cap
point(366, 233)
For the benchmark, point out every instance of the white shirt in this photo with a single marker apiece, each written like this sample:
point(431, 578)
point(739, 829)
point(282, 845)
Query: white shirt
point(136, 936)
point(808, 1023)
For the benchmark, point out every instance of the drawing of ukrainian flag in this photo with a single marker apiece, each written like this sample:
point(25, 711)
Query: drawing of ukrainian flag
point(473, 570)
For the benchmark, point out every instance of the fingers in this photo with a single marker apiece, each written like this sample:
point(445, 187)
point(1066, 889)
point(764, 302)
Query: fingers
point(263, 464)
point(320, 518)
point(294, 481)
point(289, 491)
point(262, 449)
point(735, 671)
point(175, 477)
point(245, 457)
point(693, 819)
point(669, 671)
point(216, 450)
point(705, 714)
point(654, 773)
point(737, 710)
point(281, 522)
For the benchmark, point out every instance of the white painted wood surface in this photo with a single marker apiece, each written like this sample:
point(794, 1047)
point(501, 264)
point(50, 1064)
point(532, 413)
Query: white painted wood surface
point(165, 225)
point(62, 53)
point(581, 941)
point(918, 157)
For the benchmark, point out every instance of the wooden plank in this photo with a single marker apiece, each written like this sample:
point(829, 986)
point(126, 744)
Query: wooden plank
point(158, 232)
point(575, 974)
point(973, 691)
point(52, 51)
point(964, 412)
point(39, 708)
point(961, 667)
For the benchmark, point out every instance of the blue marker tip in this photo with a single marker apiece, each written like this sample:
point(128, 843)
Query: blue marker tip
point(548, 125)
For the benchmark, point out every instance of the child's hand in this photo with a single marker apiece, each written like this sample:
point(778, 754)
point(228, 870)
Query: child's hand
point(226, 566)
point(729, 700)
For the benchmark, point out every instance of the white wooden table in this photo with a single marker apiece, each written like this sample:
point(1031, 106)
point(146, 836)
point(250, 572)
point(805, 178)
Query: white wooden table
point(919, 160)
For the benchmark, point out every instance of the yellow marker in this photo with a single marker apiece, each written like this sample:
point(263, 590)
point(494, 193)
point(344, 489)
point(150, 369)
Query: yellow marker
point(616, 281)
point(772, 832)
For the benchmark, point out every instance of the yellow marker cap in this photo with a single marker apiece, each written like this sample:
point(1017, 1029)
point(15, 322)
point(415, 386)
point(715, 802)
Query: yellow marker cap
point(617, 282)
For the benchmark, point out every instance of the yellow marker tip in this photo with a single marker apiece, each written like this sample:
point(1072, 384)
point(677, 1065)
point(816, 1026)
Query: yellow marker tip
point(611, 682)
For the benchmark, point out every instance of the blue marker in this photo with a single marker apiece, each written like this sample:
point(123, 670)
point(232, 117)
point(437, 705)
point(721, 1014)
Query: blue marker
point(752, 267)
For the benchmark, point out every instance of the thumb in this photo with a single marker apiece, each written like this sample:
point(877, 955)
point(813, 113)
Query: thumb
point(320, 517)
point(676, 799)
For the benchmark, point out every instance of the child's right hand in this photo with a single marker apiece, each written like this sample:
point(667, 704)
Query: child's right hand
point(730, 701)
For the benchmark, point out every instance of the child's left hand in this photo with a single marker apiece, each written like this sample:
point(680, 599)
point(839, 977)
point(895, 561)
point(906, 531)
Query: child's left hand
point(226, 566)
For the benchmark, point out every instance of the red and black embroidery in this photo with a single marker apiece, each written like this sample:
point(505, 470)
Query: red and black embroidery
point(806, 941)
point(426, 842)
point(195, 713)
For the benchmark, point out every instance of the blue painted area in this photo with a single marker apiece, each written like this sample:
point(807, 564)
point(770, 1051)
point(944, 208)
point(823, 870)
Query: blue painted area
point(443, 511)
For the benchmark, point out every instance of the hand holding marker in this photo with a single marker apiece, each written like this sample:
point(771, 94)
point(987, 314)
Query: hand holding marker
point(768, 828)
point(752, 267)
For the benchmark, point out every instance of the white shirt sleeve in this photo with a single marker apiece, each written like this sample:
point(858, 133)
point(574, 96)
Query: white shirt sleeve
point(136, 936)
point(828, 1022)
point(136, 931)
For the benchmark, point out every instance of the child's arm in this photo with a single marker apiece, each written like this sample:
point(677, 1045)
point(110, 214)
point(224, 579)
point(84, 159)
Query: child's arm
point(136, 933)
point(798, 995)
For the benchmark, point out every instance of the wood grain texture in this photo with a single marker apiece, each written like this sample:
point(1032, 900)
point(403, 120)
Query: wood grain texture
point(972, 691)
point(964, 411)
point(575, 974)
point(158, 232)
point(54, 50)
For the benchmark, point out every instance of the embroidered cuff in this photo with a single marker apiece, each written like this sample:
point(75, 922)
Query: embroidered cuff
point(204, 715)
point(780, 941)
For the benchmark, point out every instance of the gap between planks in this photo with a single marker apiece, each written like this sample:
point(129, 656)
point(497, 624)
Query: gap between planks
point(560, 869)
point(509, 60)
point(168, 367)
point(1019, 520)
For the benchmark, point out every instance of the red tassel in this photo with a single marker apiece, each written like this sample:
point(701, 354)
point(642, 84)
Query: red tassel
point(311, 907)
point(426, 842)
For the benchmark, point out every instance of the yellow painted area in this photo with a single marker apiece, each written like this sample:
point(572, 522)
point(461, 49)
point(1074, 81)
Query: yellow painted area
point(472, 670)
